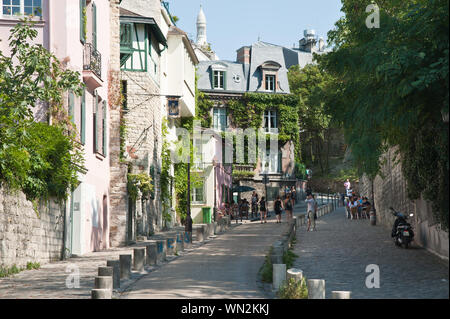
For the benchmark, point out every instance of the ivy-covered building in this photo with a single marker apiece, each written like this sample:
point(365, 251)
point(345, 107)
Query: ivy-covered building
point(253, 92)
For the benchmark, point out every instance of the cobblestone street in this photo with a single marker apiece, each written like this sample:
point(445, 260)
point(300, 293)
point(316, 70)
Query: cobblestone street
point(226, 267)
point(340, 250)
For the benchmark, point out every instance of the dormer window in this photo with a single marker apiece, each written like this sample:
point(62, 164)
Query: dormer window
point(270, 82)
point(219, 76)
point(219, 79)
point(269, 76)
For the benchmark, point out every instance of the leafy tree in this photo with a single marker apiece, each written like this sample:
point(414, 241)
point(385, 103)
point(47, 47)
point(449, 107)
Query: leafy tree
point(39, 159)
point(310, 84)
point(391, 89)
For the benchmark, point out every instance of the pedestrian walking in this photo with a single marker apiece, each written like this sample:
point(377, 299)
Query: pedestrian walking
point(240, 208)
point(294, 194)
point(254, 205)
point(278, 207)
point(245, 207)
point(347, 207)
point(263, 210)
point(311, 212)
point(288, 204)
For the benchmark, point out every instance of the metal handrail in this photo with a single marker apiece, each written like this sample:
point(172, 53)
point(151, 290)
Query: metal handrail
point(92, 60)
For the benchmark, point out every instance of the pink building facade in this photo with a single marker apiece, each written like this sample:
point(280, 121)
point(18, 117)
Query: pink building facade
point(78, 33)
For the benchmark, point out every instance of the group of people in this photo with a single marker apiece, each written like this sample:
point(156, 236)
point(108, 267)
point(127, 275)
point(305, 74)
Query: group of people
point(358, 207)
point(243, 208)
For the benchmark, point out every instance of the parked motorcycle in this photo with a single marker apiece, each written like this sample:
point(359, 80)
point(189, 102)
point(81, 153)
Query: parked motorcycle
point(402, 231)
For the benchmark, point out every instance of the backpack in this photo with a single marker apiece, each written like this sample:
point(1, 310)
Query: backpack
point(277, 205)
point(289, 205)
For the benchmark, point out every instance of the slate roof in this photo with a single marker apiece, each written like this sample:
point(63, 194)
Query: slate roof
point(250, 74)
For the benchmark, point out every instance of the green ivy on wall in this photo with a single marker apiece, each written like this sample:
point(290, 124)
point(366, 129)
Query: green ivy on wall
point(180, 172)
point(139, 182)
point(249, 112)
point(165, 178)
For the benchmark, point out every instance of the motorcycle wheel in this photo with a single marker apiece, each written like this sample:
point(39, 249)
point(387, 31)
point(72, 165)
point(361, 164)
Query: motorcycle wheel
point(406, 245)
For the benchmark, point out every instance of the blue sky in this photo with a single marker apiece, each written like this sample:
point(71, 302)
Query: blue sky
point(235, 23)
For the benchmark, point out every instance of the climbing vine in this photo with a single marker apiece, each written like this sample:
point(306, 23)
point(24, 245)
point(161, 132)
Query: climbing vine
point(181, 175)
point(248, 112)
point(203, 106)
point(139, 182)
point(165, 178)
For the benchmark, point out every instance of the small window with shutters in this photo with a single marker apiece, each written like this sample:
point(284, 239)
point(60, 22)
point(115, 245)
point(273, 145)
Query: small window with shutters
point(98, 125)
point(83, 25)
point(104, 128)
point(94, 26)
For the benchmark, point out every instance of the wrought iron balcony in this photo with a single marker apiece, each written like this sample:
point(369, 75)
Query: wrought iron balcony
point(92, 60)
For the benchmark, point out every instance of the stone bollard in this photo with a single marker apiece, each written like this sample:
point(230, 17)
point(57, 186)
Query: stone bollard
point(171, 245)
point(277, 253)
point(139, 259)
point(187, 240)
point(151, 253)
point(199, 232)
point(294, 273)
point(101, 294)
point(103, 282)
point(162, 250)
point(115, 264)
point(180, 241)
point(279, 275)
point(125, 266)
point(316, 288)
point(341, 295)
point(209, 230)
point(373, 218)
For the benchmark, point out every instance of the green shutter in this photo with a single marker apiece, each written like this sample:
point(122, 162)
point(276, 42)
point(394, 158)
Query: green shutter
point(95, 121)
point(83, 118)
point(104, 127)
point(224, 80)
point(71, 106)
point(82, 22)
point(94, 25)
point(211, 77)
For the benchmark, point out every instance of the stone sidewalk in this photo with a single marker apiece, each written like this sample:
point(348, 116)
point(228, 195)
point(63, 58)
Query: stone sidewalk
point(340, 250)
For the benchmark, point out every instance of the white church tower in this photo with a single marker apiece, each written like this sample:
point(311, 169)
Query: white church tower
point(201, 46)
point(201, 29)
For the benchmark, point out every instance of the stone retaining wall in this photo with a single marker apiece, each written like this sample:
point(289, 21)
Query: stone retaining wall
point(391, 191)
point(25, 236)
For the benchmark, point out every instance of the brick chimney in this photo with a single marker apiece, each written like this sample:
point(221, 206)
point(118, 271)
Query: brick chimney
point(243, 55)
